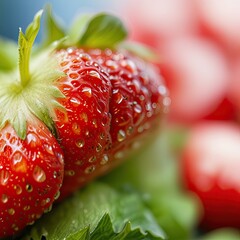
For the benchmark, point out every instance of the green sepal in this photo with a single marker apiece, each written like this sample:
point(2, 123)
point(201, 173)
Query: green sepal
point(103, 31)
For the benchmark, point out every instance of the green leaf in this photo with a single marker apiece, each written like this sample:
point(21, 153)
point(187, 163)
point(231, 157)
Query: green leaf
point(155, 172)
point(53, 29)
point(141, 50)
point(103, 31)
point(106, 212)
point(78, 27)
point(8, 55)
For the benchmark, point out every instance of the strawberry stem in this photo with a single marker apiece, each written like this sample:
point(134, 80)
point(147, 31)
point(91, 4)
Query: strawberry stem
point(25, 43)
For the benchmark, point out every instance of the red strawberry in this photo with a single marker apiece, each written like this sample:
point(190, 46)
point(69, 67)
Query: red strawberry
point(31, 173)
point(31, 160)
point(98, 103)
point(112, 98)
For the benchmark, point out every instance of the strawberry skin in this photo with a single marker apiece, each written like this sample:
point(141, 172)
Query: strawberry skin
point(112, 98)
point(31, 173)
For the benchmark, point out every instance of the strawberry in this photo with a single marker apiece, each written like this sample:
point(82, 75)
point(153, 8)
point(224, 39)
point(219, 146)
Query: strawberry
point(31, 173)
point(108, 108)
point(98, 100)
point(31, 160)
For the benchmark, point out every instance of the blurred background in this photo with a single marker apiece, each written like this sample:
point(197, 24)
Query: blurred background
point(198, 44)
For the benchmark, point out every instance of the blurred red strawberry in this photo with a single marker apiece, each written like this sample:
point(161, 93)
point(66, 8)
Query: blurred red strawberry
point(157, 21)
point(197, 76)
point(221, 20)
point(211, 170)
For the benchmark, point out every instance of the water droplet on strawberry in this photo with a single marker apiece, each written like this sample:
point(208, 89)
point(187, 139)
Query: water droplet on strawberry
point(87, 91)
point(18, 189)
point(11, 211)
point(80, 143)
point(119, 97)
point(75, 101)
point(38, 174)
point(94, 74)
point(129, 65)
point(76, 129)
point(104, 159)
point(137, 108)
point(19, 162)
point(121, 136)
point(49, 149)
point(84, 117)
point(33, 140)
point(4, 177)
point(4, 198)
point(85, 57)
point(29, 188)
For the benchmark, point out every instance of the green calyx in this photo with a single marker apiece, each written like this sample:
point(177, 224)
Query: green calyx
point(30, 92)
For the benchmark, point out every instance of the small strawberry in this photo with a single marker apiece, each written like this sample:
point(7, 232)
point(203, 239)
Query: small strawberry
point(112, 97)
point(31, 160)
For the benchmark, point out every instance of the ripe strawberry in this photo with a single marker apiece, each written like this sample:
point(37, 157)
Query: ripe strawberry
point(108, 108)
point(31, 160)
point(31, 173)
point(97, 101)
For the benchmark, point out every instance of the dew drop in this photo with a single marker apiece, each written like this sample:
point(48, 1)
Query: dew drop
point(94, 74)
point(129, 65)
point(80, 143)
point(19, 162)
point(87, 91)
point(4, 198)
point(76, 129)
point(49, 149)
point(84, 117)
point(29, 188)
point(104, 159)
point(119, 98)
point(18, 189)
point(85, 57)
point(38, 174)
point(11, 211)
point(137, 108)
point(4, 177)
point(121, 136)
point(75, 101)
point(60, 158)
point(111, 65)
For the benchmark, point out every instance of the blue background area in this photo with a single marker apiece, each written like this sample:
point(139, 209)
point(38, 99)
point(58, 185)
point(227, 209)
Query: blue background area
point(19, 13)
